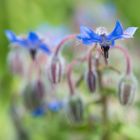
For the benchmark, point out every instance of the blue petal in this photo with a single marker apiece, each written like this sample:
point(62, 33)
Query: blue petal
point(38, 112)
point(129, 32)
point(112, 43)
point(14, 39)
point(11, 36)
point(85, 31)
point(23, 42)
point(116, 33)
point(88, 36)
point(33, 38)
point(45, 48)
point(87, 41)
point(55, 106)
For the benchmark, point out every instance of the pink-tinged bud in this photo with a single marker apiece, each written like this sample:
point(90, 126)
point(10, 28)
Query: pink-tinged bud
point(55, 69)
point(34, 94)
point(127, 88)
point(75, 109)
point(16, 62)
point(91, 80)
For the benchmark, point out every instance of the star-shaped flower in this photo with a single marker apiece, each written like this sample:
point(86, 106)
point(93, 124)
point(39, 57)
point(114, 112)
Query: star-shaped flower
point(32, 41)
point(55, 106)
point(89, 37)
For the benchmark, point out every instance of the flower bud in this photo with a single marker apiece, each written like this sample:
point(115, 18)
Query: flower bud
point(55, 69)
point(91, 80)
point(16, 62)
point(75, 109)
point(33, 95)
point(127, 88)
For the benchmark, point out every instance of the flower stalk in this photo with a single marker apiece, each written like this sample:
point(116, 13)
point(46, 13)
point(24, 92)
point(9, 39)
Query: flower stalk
point(69, 77)
point(104, 104)
point(60, 45)
point(69, 73)
point(127, 58)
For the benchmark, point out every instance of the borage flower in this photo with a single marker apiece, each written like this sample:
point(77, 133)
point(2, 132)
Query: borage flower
point(55, 106)
point(40, 111)
point(105, 40)
point(31, 42)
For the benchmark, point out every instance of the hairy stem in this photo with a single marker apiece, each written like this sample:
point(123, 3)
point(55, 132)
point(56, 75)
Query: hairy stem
point(63, 41)
point(69, 78)
point(104, 103)
point(70, 67)
point(127, 58)
point(79, 80)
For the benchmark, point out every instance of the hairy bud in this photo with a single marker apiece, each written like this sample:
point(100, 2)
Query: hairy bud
point(75, 109)
point(16, 62)
point(127, 88)
point(34, 94)
point(55, 69)
point(91, 80)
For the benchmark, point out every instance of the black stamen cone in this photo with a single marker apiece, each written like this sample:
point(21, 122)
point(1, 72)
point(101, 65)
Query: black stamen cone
point(33, 53)
point(106, 51)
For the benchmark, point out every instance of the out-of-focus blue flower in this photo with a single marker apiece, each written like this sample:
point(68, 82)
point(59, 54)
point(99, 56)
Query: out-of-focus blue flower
point(54, 33)
point(11, 36)
point(88, 36)
point(32, 41)
point(55, 106)
point(38, 112)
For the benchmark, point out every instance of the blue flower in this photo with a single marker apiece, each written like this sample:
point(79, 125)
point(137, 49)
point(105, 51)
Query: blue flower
point(32, 41)
point(88, 36)
point(55, 106)
point(38, 112)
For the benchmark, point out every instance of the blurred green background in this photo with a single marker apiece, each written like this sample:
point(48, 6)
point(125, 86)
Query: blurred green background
point(22, 16)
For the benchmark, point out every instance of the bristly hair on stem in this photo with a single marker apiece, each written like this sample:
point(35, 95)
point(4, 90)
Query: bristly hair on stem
point(127, 58)
point(63, 41)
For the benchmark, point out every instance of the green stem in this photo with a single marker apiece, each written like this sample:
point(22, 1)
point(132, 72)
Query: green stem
point(106, 133)
point(127, 58)
point(104, 103)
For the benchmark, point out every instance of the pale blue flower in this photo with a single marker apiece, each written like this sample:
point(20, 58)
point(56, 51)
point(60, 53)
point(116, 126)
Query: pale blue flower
point(88, 36)
point(32, 41)
point(55, 106)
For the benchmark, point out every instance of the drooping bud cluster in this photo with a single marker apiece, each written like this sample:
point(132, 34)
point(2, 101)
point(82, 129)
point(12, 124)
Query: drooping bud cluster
point(40, 91)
